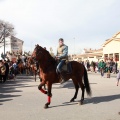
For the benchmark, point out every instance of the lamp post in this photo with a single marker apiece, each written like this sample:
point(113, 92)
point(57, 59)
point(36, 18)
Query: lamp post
point(4, 39)
point(74, 45)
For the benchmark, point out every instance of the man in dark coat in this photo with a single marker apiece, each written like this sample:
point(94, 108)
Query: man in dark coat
point(7, 69)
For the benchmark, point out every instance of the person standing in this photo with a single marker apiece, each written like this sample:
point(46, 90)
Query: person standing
point(7, 69)
point(15, 68)
point(88, 65)
point(102, 67)
point(118, 77)
point(2, 72)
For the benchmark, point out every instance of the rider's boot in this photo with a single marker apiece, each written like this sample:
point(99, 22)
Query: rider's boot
point(63, 80)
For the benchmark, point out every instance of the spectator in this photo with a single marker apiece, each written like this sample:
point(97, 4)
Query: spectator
point(15, 68)
point(102, 66)
point(93, 66)
point(88, 65)
point(2, 72)
point(7, 69)
point(118, 78)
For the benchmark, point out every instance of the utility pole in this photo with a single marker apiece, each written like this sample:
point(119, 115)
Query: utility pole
point(4, 40)
point(74, 45)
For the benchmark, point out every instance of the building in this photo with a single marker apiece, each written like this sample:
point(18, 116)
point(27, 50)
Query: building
point(111, 48)
point(13, 47)
point(91, 55)
point(110, 51)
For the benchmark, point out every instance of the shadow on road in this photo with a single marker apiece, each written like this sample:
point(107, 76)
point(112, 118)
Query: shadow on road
point(68, 84)
point(96, 100)
point(65, 104)
point(9, 87)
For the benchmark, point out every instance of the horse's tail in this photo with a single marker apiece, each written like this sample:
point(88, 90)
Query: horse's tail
point(86, 82)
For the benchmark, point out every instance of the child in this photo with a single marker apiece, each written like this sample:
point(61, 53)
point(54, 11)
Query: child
point(118, 78)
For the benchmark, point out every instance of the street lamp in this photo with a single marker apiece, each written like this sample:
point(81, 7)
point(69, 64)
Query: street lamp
point(74, 45)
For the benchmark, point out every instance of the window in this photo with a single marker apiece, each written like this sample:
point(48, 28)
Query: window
point(116, 56)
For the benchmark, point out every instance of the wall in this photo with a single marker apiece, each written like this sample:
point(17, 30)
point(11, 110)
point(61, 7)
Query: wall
point(112, 47)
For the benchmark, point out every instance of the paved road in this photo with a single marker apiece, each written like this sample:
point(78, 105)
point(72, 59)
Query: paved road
point(21, 100)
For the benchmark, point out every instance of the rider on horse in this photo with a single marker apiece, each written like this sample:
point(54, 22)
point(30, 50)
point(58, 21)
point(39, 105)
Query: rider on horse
point(62, 56)
point(19, 60)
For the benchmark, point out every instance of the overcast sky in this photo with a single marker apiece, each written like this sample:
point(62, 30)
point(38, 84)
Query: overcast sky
point(82, 23)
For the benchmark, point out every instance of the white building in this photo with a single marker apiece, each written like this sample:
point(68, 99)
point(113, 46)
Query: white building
point(12, 45)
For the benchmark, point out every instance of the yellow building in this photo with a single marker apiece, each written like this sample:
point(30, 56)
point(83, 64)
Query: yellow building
point(110, 51)
point(111, 48)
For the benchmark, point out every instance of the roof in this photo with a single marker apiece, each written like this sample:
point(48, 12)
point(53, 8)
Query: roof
point(115, 37)
point(93, 51)
point(89, 55)
point(15, 38)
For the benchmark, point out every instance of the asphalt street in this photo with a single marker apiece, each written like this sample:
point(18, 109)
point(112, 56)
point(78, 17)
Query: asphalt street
point(21, 100)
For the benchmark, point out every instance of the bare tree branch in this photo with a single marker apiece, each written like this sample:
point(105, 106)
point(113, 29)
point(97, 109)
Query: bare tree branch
point(7, 29)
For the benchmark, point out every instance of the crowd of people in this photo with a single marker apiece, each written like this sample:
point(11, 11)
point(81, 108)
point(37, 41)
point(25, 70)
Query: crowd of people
point(101, 66)
point(4, 71)
point(8, 70)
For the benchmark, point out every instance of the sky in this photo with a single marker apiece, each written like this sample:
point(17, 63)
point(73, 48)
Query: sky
point(81, 23)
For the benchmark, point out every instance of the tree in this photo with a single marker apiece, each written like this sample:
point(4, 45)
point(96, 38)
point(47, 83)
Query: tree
point(6, 29)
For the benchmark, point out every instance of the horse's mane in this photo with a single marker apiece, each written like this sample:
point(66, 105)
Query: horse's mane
point(50, 58)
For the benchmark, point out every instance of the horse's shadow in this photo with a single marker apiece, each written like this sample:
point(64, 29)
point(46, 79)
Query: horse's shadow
point(64, 104)
point(93, 100)
point(68, 84)
point(97, 100)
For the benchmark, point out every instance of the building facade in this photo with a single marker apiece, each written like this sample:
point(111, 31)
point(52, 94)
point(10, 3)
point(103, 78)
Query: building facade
point(111, 48)
point(110, 51)
point(13, 47)
point(91, 55)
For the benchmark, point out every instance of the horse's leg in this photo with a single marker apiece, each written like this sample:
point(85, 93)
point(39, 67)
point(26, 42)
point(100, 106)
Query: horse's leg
point(25, 71)
point(83, 90)
point(45, 87)
point(49, 95)
point(40, 87)
point(20, 70)
point(41, 81)
point(35, 75)
point(76, 90)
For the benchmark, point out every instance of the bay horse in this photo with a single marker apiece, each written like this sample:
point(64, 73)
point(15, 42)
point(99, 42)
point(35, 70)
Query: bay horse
point(49, 75)
point(34, 68)
point(21, 67)
point(27, 68)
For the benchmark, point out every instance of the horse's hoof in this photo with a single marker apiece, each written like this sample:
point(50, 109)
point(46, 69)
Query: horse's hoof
point(72, 100)
point(80, 103)
point(46, 106)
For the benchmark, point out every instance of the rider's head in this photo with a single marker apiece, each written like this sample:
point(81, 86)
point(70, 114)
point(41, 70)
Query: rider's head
point(61, 41)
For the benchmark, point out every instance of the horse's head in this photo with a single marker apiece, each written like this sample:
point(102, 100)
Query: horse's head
point(38, 53)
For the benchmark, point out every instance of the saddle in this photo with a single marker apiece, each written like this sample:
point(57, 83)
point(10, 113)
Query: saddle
point(67, 68)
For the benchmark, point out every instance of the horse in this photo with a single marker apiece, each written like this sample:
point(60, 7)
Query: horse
point(34, 68)
point(21, 67)
point(49, 75)
point(27, 68)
